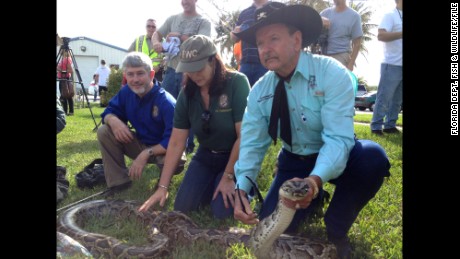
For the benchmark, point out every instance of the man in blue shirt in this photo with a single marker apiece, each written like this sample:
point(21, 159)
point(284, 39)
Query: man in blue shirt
point(250, 63)
point(316, 130)
point(150, 110)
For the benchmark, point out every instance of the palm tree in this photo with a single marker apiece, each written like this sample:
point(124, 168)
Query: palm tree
point(318, 5)
point(223, 28)
point(365, 14)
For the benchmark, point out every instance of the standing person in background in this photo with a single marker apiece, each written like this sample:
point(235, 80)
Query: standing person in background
point(143, 43)
point(64, 69)
point(250, 63)
point(307, 102)
point(344, 25)
point(389, 92)
point(102, 77)
point(182, 26)
point(94, 85)
point(212, 104)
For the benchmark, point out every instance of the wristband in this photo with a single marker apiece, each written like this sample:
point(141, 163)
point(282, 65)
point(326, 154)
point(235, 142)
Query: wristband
point(164, 187)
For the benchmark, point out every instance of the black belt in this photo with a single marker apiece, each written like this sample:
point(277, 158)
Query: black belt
point(301, 157)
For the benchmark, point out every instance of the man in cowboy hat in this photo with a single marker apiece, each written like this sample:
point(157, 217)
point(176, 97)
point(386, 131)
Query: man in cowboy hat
point(313, 98)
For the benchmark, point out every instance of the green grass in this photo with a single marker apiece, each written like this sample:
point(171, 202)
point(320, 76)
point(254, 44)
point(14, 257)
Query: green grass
point(377, 233)
point(367, 117)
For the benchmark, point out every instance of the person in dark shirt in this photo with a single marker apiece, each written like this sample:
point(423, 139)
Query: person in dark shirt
point(250, 63)
point(212, 105)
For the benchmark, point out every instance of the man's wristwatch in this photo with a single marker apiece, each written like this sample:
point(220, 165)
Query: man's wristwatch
point(230, 176)
point(150, 151)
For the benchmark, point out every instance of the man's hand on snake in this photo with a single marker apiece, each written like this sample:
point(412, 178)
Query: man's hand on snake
point(299, 204)
point(243, 212)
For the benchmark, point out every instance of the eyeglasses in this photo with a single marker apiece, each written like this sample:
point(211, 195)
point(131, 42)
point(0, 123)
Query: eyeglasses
point(259, 198)
point(151, 26)
point(205, 117)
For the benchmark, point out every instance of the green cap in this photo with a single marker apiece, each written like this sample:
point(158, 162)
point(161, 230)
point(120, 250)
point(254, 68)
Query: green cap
point(194, 53)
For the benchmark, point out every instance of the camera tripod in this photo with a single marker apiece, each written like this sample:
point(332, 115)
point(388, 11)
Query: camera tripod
point(65, 48)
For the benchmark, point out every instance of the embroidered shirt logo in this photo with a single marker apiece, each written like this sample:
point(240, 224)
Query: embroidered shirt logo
point(261, 15)
point(319, 93)
point(223, 101)
point(312, 81)
point(155, 111)
point(265, 97)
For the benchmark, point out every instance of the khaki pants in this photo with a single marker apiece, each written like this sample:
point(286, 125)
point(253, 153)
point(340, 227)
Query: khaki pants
point(113, 156)
point(343, 57)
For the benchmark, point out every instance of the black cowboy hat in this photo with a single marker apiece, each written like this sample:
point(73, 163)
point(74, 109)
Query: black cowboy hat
point(303, 17)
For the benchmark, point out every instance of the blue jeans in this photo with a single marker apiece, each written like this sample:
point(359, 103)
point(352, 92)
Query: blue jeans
point(363, 176)
point(201, 179)
point(172, 82)
point(253, 71)
point(389, 97)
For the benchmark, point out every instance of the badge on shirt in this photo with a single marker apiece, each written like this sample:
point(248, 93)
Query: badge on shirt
point(319, 93)
point(155, 111)
point(312, 81)
point(223, 101)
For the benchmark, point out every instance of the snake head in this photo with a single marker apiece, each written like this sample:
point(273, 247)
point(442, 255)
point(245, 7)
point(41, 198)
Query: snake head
point(294, 190)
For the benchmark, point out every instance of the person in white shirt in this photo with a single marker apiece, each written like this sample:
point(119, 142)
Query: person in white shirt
point(102, 76)
point(389, 93)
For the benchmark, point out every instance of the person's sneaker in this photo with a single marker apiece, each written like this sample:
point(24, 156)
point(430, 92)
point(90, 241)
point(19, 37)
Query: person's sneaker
point(343, 247)
point(392, 131)
point(118, 188)
point(377, 132)
point(70, 114)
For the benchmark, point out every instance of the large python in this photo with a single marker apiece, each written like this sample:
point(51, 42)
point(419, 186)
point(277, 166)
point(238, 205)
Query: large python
point(265, 240)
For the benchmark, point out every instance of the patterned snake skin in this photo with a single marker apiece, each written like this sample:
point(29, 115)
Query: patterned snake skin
point(176, 226)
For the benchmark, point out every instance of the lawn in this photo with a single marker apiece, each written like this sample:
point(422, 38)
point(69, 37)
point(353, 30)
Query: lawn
point(367, 117)
point(377, 233)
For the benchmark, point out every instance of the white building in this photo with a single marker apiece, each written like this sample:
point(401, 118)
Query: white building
point(88, 54)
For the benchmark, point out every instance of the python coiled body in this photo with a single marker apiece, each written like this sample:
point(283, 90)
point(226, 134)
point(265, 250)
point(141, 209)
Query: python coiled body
point(265, 239)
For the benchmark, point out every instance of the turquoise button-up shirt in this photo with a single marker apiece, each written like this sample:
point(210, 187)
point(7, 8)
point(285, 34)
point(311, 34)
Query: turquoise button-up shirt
point(321, 106)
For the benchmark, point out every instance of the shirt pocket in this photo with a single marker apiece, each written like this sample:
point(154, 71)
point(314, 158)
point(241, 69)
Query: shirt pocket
point(311, 110)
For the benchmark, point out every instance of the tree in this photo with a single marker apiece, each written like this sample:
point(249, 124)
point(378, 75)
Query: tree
point(365, 14)
point(318, 5)
point(113, 86)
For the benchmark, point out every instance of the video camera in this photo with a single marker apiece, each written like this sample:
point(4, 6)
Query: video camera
point(65, 43)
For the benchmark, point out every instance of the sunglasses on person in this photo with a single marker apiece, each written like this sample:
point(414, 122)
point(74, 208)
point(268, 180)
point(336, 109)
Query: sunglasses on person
point(205, 118)
point(259, 199)
point(151, 26)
